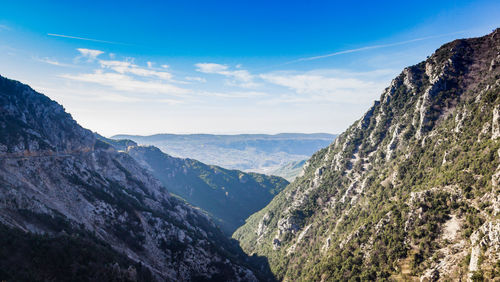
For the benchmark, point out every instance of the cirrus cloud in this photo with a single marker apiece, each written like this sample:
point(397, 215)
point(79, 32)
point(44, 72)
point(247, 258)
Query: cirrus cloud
point(335, 86)
point(128, 67)
point(239, 77)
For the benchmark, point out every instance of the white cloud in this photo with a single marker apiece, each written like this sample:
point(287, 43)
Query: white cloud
point(124, 82)
point(89, 54)
point(96, 95)
point(51, 62)
point(4, 27)
point(165, 66)
point(329, 85)
point(128, 67)
point(306, 83)
point(126, 76)
point(211, 68)
point(170, 101)
point(240, 78)
point(234, 94)
point(195, 78)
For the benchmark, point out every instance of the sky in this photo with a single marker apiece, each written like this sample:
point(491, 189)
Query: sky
point(226, 67)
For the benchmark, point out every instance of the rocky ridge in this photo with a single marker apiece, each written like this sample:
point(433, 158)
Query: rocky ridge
point(58, 181)
point(410, 191)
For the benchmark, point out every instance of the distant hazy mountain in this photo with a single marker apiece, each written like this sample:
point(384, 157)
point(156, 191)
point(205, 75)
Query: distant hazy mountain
point(248, 152)
point(229, 196)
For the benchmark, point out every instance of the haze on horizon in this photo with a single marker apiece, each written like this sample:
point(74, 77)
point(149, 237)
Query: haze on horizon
point(235, 67)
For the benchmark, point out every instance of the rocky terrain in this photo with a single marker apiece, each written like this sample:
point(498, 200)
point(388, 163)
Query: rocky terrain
point(73, 206)
point(261, 153)
point(228, 196)
point(410, 191)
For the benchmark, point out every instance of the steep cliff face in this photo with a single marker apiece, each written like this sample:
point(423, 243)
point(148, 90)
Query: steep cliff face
point(409, 190)
point(57, 179)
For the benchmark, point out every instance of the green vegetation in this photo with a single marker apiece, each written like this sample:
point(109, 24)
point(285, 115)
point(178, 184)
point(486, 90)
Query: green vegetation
point(229, 196)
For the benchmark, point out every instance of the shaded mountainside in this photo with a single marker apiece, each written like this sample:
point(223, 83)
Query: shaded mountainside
point(410, 190)
point(260, 153)
point(229, 196)
point(73, 205)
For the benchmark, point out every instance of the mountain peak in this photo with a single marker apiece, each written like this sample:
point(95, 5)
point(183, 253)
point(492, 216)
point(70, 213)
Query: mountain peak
point(31, 123)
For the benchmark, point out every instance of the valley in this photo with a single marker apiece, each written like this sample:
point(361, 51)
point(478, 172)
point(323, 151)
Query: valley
point(214, 189)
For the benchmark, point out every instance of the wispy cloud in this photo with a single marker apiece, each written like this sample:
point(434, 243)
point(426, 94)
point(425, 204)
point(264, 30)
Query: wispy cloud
point(211, 68)
point(124, 82)
point(170, 101)
point(86, 39)
point(371, 47)
point(328, 85)
point(4, 27)
point(195, 79)
point(239, 77)
point(97, 95)
point(89, 54)
point(233, 94)
point(126, 75)
point(50, 61)
point(128, 67)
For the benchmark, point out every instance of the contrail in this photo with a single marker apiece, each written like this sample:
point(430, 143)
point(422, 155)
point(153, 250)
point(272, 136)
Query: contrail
point(372, 47)
point(86, 39)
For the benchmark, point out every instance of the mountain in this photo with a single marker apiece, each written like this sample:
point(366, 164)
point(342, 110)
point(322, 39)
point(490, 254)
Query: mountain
point(290, 171)
point(410, 190)
point(247, 152)
point(74, 208)
point(229, 196)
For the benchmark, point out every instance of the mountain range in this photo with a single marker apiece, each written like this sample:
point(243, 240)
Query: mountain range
point(262, 153)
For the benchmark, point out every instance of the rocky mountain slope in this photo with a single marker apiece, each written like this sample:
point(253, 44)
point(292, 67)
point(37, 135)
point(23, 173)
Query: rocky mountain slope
point(410, 190)
point(260, 153)
point(73, 206)
point(229, 196)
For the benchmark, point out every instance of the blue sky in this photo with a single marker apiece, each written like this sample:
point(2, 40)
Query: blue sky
point(145, 67)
